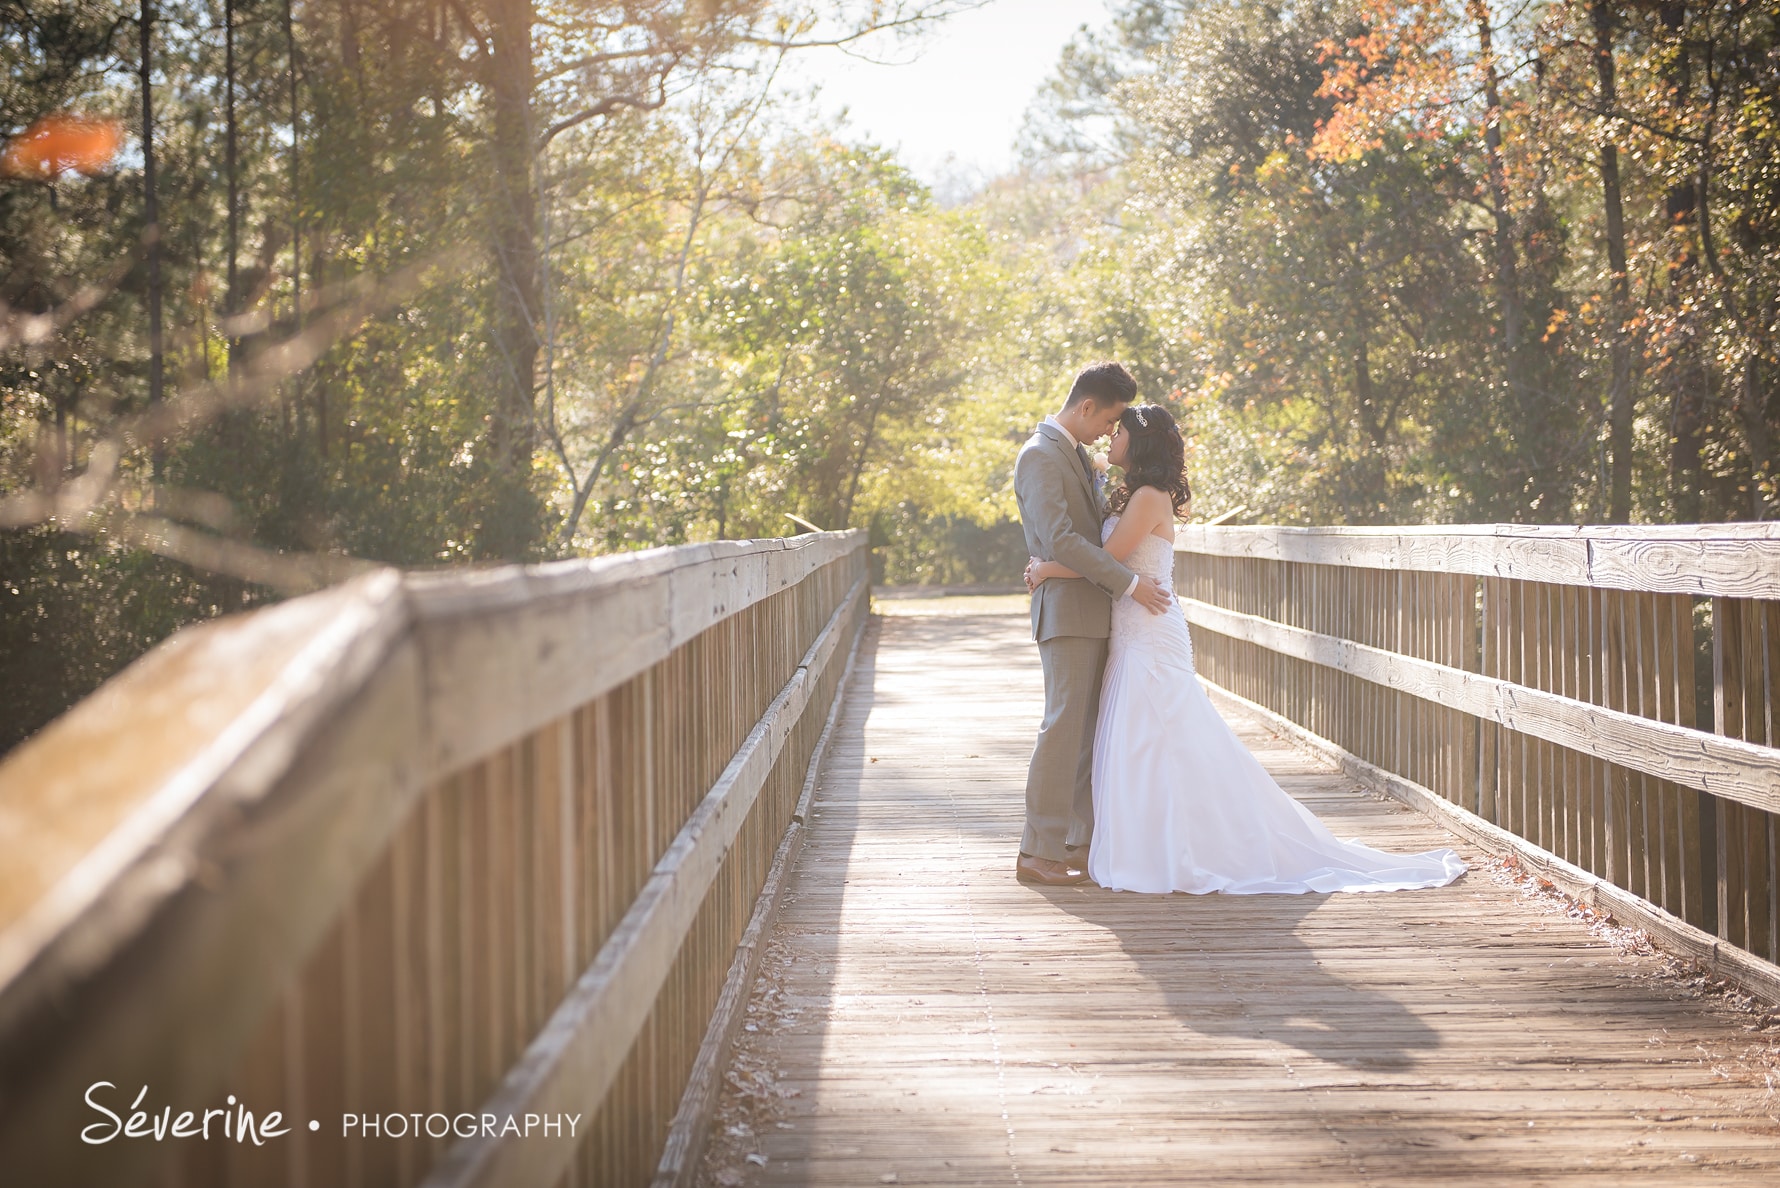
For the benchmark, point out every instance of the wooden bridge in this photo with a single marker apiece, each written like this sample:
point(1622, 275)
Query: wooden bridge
point(687, 847)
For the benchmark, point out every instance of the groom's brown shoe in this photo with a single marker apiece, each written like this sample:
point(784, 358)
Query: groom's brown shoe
point(1048, 872)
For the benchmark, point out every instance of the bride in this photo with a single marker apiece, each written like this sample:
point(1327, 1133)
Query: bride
point(1179, 803)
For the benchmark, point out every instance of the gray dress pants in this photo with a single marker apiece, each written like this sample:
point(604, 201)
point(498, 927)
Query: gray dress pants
point(1059, 792)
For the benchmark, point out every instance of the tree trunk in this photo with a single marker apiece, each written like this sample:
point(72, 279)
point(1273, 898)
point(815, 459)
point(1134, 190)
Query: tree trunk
point(1507, 271)
point(1684, 448)
point(232, 167)
point(1619, 384)
point(296, 223)
point(1753, 405)
point(1366, 404)
point(859, 461)
point(1688, 374)
point(512, 430)
point(151, 224)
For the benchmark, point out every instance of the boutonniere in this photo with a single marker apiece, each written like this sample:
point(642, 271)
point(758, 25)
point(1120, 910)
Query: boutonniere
point(1100, 465)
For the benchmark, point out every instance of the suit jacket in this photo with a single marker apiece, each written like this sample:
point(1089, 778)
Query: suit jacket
point(1061, 514)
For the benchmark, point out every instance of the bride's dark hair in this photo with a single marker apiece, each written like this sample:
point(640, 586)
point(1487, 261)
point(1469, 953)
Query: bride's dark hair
point(1156, 457)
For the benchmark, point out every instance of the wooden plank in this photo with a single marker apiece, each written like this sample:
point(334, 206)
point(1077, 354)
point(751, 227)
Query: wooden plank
point(923, 1018)
point(1728, 768)
point(218, 889)
point(1711, 564)
point(1595, 772)
point(1767, 653)
point(1565, 639)
point(1520, 816)
point(519, 647)
point(578, 1053)
point(1615, 661)
point(1489, 790)
point(686, 1135)
point(1542, 677)
point(1758, 859)
point(1721, 560)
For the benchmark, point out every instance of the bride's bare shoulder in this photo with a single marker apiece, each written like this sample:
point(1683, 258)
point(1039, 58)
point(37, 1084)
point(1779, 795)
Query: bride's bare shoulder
point(1148, 496)
point(1151, 503)
point(1152, 506)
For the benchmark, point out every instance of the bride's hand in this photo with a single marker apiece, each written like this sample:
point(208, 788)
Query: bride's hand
point(1032, 583)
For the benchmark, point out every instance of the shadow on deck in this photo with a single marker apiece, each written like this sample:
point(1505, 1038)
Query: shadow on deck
point(921, 1018)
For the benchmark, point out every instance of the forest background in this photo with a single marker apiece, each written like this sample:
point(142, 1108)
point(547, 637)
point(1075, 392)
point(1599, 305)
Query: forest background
point(435, 282)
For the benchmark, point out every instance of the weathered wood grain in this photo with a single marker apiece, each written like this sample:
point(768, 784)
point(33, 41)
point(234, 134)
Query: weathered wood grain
point(921, 1018)
point(1719, 560)
point(686, 1136)
point(580, 1050)
point(172, 1003)
point(350, 837)
point(1728, 768)
point(1758, 976)
point(509, 651)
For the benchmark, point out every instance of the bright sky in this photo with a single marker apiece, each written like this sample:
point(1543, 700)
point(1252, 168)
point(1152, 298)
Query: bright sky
point(960, 91)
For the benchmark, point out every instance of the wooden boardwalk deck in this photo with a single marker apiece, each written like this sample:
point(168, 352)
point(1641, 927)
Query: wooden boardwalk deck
point(921, 1018)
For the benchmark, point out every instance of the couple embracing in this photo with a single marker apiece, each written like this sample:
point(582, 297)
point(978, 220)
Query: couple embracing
point(1136, 781)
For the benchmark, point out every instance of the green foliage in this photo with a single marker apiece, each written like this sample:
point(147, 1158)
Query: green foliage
point(1374, 243)
point(621, 222)
point(1369, 265)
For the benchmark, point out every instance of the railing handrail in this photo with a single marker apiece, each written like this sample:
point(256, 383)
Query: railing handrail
point(1734, 560)
point(324, 717)
point(1538, 686)
point(323, 649)
point(1746, 772)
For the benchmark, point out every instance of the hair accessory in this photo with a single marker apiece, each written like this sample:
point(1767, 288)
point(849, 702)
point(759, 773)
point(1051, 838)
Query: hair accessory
point(1143, 422)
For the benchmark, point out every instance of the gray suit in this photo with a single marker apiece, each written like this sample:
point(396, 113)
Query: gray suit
point(1070, 620)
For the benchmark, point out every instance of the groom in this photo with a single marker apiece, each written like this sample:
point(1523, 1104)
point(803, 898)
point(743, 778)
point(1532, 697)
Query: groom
point(1060, 509)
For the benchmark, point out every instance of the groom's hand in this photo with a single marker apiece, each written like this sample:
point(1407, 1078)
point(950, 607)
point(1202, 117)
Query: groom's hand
point(1151, 596)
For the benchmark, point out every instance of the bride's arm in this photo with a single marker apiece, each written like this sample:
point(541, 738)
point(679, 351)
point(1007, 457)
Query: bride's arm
point(1044, 571)
point(1147, 510)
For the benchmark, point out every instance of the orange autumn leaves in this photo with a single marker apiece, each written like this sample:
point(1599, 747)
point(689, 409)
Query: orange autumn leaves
point(1400, 73)
point(58, 144)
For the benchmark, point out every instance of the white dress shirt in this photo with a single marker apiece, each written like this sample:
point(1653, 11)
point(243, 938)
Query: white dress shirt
point(1054, 423)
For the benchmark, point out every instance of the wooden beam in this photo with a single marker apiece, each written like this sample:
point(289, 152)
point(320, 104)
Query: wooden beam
point(179, 842)
point(1716, 560)
point(679, 1164)
point(575, 1058)
point(1725, 767)
point(164, 978)
point(112, 794)
point(1758, 977)
point(520, 647)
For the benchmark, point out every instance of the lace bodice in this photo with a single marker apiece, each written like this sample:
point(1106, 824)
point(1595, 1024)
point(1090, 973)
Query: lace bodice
point(1153, 556)
point(1162, 639)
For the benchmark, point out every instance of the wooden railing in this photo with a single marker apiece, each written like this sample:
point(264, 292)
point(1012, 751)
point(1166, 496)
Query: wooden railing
point(417, 847)
point(1607, 696)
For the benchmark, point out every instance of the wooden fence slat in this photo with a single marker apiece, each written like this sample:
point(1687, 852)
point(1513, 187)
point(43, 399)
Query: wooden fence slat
point(372, 858)
point(1542, 678)
point(1725, 767)
point(582, 1048)
point(1722, 560)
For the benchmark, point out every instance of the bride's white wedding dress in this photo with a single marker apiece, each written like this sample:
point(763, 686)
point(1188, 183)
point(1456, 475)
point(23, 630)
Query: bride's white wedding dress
point(1181, 805)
